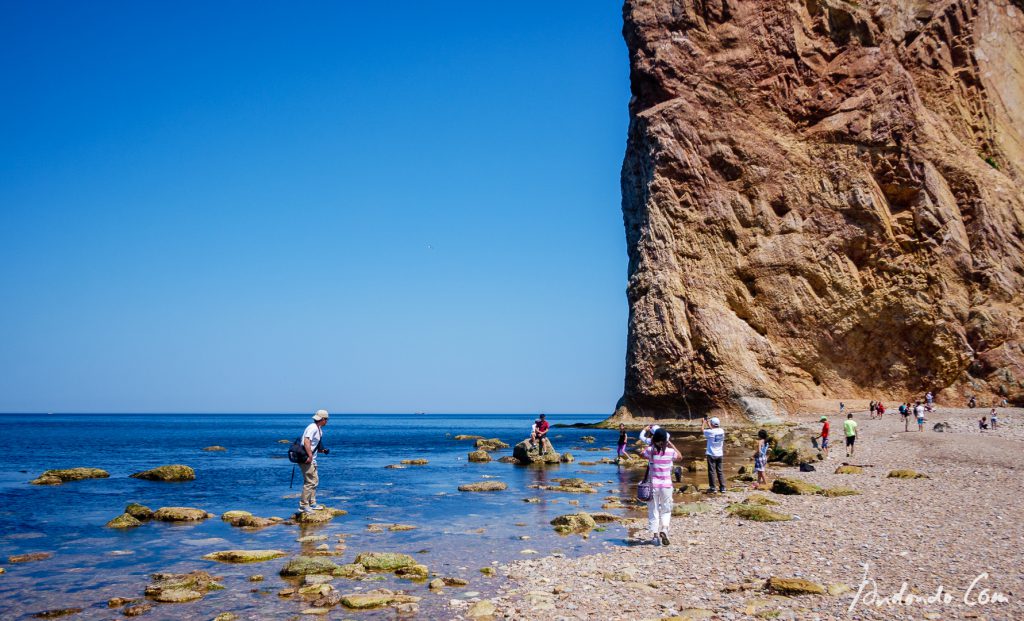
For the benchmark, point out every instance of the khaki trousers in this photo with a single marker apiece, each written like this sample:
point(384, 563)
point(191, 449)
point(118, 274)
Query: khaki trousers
point(310, 480)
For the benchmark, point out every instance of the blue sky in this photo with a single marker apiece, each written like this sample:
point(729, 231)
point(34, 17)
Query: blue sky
point(257, 206)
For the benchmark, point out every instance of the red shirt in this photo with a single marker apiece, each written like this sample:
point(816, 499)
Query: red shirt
point(824, 430)
point(542, 426)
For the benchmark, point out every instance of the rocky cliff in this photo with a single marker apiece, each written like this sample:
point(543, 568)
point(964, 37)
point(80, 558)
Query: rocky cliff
point(823, 198)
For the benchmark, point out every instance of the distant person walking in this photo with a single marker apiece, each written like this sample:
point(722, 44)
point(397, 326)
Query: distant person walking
point(871, 409)
point(623, 440)
point(929, 398)
point(824, 436)
point(993, 419)
point(715, 437)
point(761, 459)
point(660, 456)
point(850, 429)
point(842, 408)
point(539, 432)
point(919, 413)
point(312, 441)
point(905, 413)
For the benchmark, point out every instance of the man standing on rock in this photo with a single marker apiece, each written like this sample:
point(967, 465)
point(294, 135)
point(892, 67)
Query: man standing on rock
point(850, 428)
point(311, 440)
point(715, 437)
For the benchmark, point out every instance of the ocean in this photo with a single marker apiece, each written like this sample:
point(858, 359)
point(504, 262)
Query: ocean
point(456, 533)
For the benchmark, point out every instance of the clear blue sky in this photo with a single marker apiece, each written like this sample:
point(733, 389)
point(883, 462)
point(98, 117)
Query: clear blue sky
point(264, 206)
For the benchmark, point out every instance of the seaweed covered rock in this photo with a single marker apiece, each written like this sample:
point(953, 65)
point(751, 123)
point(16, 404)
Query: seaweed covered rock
point(176, 588)
point(848, 469)
point(757, 513)
point(490, 444)
point(244, 556)
point(139, 512)
point(906, 474)
point(384, 561)
point(834, 492)
point(320, 516)
point(794, 487)
point(125, 520)
point(574, 523)
point(305, 565)
point(378, 598)
point(479, 457)
point(180, 514)
point(542, 452)
point(484, 486)
point(793, 586)
point(56, 477)
point(170, 473)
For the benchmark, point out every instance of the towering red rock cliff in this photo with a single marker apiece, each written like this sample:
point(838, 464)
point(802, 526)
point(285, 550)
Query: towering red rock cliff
point(823, 198)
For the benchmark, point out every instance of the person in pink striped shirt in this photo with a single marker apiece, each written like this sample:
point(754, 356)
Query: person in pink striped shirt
point(660, 456)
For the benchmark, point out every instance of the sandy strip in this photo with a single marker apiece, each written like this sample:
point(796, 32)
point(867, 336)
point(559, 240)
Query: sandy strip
point(945, 531)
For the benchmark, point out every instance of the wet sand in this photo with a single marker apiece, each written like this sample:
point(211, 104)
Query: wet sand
point(959, 530)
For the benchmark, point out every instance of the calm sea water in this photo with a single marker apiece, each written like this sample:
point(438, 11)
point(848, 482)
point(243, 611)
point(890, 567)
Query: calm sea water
point(457, 533)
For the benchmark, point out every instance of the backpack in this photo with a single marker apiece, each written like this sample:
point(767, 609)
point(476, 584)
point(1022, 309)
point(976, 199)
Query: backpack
point(297, 452)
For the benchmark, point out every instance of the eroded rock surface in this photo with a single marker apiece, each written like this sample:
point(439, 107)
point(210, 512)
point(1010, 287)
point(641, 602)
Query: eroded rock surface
point(822, 199)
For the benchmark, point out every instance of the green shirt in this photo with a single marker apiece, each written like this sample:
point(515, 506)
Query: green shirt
point(850, 427)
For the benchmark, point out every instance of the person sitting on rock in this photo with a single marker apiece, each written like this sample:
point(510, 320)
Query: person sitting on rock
point(539, 432)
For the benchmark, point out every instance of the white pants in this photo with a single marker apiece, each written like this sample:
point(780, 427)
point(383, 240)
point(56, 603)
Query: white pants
point(659, 510)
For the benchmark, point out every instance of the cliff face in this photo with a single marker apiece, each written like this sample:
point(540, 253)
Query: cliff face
point(823, 198)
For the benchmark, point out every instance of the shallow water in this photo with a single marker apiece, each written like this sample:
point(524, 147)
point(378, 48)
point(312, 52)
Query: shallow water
point(457, 533)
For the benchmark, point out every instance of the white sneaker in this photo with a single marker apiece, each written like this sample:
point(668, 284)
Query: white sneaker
point(305, 510)
point(316, 507)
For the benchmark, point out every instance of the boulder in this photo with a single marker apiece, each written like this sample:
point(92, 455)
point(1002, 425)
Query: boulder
point(793, 448)
point(305, 565)
point(757, 513)
point(28, 558)
point(847, 469)
point(492, 444)
point(508, 459)
point(589, 439)
point(526, 454)
point(319, 517)
point(137, 610)
point(117, 602)
point(794, 487)
point(180, 514)
point(479, 456)
point(941, 427)
point(574, 523)
point(415, 462)
point(139, 512)
point(793, 586)
point(215, 448)
point(465, 437)
point(57, 613)
point(759, 499)
point(490, 572)
point(376, 599)
point(56, 477)
point(697, 465)
point(906, 474)
point(483, 609)
point(173, 472)
point(484, 486)
point(567, 458)
point(244, 519)
point(350, 570)
point(833, 492)
point(124, 520)
point(413, 572)
point(176, 588)
point(384, 561)
point(244, 556)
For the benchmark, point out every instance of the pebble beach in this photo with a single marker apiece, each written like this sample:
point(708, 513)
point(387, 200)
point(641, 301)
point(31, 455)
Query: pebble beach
point(946, 545)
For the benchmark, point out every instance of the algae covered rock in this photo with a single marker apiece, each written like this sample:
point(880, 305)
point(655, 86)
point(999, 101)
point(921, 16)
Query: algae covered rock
point(319, 517)
point(906, 474)
point(697, 465)
point(125, 520)
point(305, 565)
point(794, 487)
point(690, 508)
point(244, 519)
point(171, 473)
point(759, 499)
point(793, 586)
point(176, 588)
point(848, 469)
point(484, 486)
point(57, 613)
point(413, 572)
point(465, 437)
point(479, 457)
point(757, 513)
point(139, 512)
point(574, 523)
point(483, 609)
point(834, 492)
point(244, 556)
point(180, 514)
point(491, 444)
point(375, 599)
point(56, 477)
point(567, 458)
point(415, 462)
point(28, 558)
point(350, 570)
point(540, 453)
point(384, 561)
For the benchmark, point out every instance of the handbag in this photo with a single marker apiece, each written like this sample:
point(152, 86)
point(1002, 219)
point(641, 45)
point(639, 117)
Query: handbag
point(644, 489)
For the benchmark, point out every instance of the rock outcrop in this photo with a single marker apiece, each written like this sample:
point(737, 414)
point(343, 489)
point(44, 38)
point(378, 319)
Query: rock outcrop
point(527, 454)
point(822, 199)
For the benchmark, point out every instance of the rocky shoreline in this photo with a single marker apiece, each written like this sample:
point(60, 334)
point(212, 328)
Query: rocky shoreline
point(961, 520)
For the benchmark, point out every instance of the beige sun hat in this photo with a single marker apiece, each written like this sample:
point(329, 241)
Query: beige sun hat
point(321, 415)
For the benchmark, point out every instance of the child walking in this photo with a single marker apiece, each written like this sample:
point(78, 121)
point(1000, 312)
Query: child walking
point(660, 454)
point(761, 459)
